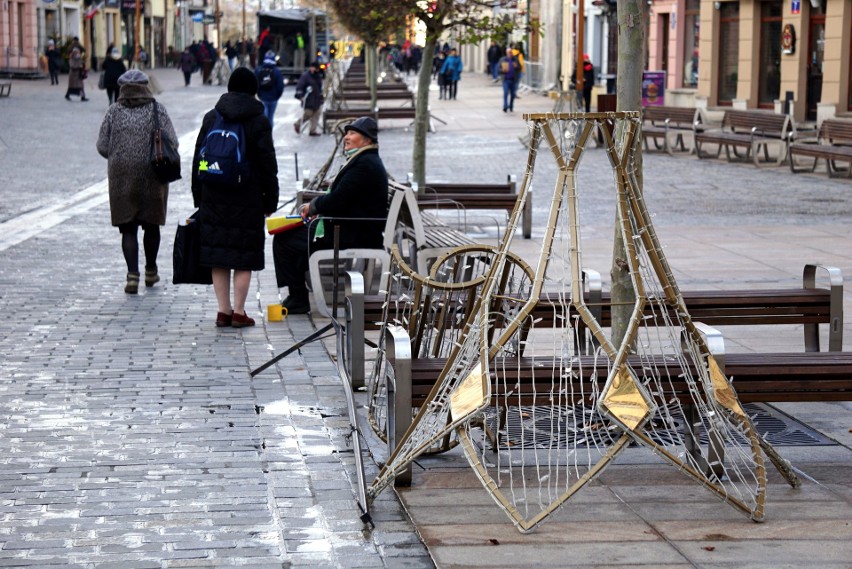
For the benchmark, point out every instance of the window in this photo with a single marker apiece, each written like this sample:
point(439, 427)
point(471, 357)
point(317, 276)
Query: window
point(729, 51)
point(769, 81)
point(692, 24)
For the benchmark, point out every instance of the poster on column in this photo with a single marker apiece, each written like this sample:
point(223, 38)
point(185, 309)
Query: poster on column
point(653, 88)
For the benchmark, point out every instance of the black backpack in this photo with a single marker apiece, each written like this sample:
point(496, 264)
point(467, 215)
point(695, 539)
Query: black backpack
point(222, 160)
point(266, 78)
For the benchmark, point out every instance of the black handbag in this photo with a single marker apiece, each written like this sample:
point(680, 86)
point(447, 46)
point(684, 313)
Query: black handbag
point(186, 259)
point(164, 156)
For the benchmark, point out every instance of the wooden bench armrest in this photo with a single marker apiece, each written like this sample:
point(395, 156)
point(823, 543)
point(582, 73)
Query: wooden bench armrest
point(835, 326)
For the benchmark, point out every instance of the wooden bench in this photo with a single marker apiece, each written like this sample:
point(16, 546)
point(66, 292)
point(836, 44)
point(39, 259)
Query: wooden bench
point(331, 117)
point(5, 88)
point(833, 144)
point(666, 127)
point(756, 377)
point(477, 196)
point(749, 131)
point(809, 306)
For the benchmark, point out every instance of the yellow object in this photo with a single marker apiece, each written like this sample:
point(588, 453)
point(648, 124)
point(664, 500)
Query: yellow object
point(280, 224)
point(274, 312)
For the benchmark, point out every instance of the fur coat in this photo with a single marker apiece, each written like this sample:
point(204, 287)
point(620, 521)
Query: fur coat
point(125, 141)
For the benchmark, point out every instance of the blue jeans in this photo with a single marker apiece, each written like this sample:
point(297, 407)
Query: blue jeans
point(269, 109)
point(509, 89)
point(493, 67)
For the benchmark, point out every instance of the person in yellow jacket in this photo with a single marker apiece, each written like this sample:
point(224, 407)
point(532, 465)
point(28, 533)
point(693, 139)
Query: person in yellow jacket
point(519, 55)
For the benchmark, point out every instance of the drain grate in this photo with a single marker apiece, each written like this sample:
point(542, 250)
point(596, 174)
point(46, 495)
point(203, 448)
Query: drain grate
point(547, 427)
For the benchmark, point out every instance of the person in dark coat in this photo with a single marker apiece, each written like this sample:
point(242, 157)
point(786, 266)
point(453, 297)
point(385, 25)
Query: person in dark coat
point(187, 64)
point(270, 85)
point(588, 81)
point(359, 190)
point(495, 52)
point(309, 91)
point(136, 197)
point(112, 68)
point(54, 61)
point(232, 218)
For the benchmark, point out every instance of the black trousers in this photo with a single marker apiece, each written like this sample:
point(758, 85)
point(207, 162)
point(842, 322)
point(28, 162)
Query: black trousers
point(290, 252)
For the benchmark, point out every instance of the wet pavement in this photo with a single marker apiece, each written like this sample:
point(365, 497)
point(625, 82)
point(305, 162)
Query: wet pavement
point(135, 437)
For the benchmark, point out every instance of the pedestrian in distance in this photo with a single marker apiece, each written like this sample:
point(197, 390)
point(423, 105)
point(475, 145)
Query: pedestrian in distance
point(359, 190)
point(452, 70)
point(136, 197)
point(232, 211)
point(309, 92)
point(231, 54)
point(510, 71)
point(588, 81)
point(187, 65)
point(494, 55)
point(112, 68)
point(54, 61)
point(76, 75)
point(270, 85)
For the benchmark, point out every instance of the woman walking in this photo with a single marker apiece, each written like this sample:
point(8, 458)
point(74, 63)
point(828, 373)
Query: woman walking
point(113, 68)
point(232, 214)
point(452, 70)
point(76, 75)
point(136, 197)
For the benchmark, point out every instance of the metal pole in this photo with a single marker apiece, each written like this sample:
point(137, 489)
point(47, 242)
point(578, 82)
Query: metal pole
point(218, 37)
point(581, 25)
point(136, 33)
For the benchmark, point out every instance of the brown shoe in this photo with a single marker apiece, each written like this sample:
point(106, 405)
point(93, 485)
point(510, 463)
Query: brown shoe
point(296, 128)
point(151, 277)
point(223, 320)
point(241, 320)
point(132, 286)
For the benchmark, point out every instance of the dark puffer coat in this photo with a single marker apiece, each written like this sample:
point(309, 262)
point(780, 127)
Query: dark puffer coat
point(360, 189)
point(232, 218)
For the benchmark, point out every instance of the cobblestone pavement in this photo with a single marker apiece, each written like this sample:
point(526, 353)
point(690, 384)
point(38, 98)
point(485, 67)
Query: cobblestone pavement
point(134, 435)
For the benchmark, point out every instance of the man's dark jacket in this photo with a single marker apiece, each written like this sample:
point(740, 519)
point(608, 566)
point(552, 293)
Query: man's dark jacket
point(360, 189)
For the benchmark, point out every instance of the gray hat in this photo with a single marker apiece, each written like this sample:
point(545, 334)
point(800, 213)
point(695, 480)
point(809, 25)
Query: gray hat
point(133, 76)
point(366, 126)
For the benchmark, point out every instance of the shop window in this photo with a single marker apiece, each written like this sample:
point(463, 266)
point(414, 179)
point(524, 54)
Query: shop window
point(769, 81)
point(692, 24)
point(729, 51)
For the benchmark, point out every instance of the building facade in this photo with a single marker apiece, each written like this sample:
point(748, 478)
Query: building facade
point(756, 53)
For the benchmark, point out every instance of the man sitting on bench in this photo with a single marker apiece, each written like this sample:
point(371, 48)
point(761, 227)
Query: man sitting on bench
point(360, 191)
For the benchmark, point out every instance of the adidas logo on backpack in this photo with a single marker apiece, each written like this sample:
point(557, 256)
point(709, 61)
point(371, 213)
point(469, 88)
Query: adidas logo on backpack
point(222, 159)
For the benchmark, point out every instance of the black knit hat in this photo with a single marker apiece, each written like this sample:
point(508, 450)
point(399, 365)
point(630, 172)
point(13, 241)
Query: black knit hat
point(366, 126)
point(242, 81)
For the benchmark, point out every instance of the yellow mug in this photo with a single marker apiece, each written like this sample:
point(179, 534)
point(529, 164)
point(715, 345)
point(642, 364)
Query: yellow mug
point(274, 313)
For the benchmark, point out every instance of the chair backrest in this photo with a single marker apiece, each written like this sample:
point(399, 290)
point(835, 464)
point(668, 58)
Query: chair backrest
point(404, 222)
point(767, 122)
point(836, 131)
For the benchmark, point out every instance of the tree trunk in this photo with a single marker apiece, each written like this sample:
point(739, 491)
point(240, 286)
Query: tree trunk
point(421, 121)
point(372, 68)
point(631, 41)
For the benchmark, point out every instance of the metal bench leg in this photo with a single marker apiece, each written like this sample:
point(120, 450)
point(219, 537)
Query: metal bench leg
point(835, 325)
point(398, 348)
point(355, 327)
